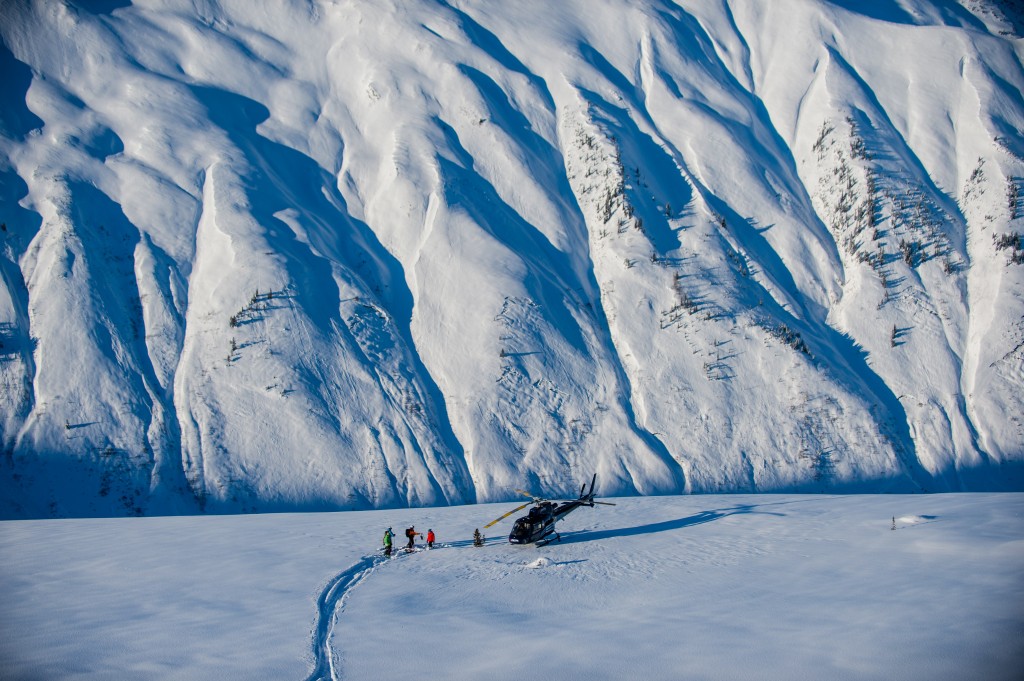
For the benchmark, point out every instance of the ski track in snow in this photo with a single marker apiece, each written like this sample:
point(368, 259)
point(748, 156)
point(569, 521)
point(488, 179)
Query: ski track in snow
point(330, 601)
point(329, 605)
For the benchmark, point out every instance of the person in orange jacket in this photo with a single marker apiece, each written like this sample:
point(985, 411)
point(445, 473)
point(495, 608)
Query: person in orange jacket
point(430, 539)
point(411, 533)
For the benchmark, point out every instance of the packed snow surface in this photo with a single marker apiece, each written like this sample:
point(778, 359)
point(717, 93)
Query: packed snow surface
point(692, 587)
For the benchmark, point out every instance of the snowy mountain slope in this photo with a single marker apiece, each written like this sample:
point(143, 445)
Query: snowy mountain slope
point(325, 255)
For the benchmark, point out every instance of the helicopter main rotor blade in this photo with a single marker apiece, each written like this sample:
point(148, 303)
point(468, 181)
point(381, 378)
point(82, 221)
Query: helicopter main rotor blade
point(605, 503)
point(517, 508)
point(527, 494)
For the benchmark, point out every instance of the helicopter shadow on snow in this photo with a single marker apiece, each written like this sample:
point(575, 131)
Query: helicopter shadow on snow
point(665, 525)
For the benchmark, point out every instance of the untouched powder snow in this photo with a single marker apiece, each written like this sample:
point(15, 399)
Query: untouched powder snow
point(320, 255)
point(695, 587)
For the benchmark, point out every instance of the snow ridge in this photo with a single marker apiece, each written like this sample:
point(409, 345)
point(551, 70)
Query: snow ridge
point(356, 255)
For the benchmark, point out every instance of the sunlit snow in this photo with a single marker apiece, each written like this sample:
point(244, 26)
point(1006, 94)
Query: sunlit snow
point(696, 587)
point(385, 261)
point(318, 255)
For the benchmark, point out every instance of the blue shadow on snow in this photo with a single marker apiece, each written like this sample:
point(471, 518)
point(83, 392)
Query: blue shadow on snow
point(665, 525)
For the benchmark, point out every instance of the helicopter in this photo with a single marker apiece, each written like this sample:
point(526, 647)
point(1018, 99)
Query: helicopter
point(539, 524)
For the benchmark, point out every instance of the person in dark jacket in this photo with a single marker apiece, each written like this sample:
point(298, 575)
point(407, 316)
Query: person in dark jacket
point(411, 533)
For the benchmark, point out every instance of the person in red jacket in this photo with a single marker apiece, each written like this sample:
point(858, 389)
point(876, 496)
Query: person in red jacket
point(430, 539)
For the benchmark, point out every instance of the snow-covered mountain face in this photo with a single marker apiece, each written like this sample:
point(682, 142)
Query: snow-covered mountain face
point(264, 256)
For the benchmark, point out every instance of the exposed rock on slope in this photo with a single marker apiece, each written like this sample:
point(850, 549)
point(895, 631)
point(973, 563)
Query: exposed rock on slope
point(359, 254)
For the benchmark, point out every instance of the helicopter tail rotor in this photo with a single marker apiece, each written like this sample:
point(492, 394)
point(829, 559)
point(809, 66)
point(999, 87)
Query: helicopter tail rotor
point(588, 497)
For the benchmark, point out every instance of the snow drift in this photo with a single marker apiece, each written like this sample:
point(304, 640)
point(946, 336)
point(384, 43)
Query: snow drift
point(352, 254)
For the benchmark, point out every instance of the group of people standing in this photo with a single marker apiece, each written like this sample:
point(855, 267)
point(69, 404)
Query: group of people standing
point(411, 533)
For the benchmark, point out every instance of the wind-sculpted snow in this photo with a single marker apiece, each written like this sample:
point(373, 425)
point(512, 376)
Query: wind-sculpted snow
point(327, 255)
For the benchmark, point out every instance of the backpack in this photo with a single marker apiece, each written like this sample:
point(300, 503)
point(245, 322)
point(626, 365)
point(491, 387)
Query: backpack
point(410, 532)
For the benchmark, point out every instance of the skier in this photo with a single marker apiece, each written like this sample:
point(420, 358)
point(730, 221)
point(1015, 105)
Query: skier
point(411, 533)
point(430, 539)
point(478, 539)
point(388, 536)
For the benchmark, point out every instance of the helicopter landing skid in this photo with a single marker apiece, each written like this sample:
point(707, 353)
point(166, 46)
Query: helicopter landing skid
point(545, 542)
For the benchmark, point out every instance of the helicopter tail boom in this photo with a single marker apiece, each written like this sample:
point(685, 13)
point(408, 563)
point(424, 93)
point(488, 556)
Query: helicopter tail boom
point(540, 522)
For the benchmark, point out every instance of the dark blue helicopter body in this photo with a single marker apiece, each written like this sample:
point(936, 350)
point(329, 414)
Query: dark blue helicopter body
point(537, 526)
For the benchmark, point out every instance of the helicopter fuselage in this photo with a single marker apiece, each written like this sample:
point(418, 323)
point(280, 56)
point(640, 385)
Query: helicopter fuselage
point(539, 523)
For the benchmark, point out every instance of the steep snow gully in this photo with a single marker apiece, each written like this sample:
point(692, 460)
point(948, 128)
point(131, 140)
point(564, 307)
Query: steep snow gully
point(365, 255)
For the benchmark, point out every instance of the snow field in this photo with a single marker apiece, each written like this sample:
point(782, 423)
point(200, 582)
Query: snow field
point(701, 587)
